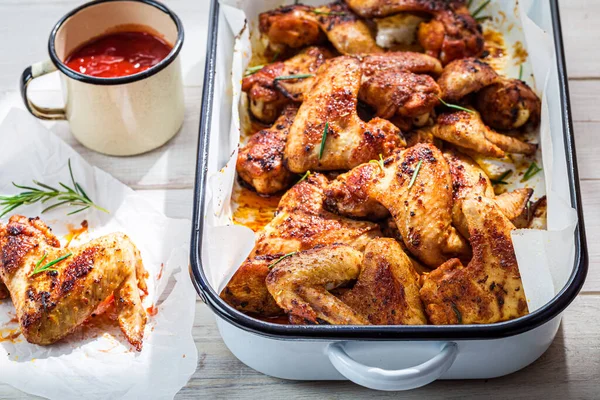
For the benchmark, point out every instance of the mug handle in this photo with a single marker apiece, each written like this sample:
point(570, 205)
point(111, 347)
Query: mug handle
point(383, 379)
point(29, 74)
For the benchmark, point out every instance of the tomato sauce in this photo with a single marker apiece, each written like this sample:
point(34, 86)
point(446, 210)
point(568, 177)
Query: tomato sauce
point(118, 54)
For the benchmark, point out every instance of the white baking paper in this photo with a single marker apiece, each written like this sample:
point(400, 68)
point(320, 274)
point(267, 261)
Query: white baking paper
point(545, 257)
point(94, 363)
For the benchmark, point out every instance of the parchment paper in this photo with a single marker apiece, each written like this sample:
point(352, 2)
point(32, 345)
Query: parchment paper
point(98, 363)
point(545, 257)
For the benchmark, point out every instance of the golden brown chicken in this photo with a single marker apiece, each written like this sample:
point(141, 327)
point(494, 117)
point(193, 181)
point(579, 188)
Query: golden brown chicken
point(300, 223)
point(268, 96)
point(417, 63)
point(327, 133)
point(386, 292)
point(415, 185)
point(467, 130)
point(52, 303)
point(296, 26)
point(509, 104)
point(470, 181)
point(462, 77)
point(489, 288)
point(260, 162)
point(382, 8)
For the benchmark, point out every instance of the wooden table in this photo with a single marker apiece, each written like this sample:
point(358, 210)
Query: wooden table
point(569, 369)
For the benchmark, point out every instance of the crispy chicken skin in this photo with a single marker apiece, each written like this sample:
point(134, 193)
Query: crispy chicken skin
point(268, 97)
point(509, 104)
point(300, 223)
point(489, 288)
point(470, 181)
point(387, 290)
point(422, 212)
point(260, 162)
point(462, 77)
point(383, 8)
point(417, 63)
point(51, 304)
point(400, 93)
point(467, 130)
point(349, 141)
point(296, 26)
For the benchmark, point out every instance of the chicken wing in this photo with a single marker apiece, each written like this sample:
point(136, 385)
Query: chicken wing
point(268, 96)
point(467, 130)
point(470, 181)
point(51, 304)
point(387, 290)
point(489, 288)
point(383, 8)
point(415, 185)
point(462, 77)
point(260, 162)
point(400, 93)
point(300, 223)
point(509, 104)
point(417, 63)
point(295, 26)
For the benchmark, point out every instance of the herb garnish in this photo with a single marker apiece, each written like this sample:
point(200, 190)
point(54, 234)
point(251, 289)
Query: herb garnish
point(253, 70)
point(482, 18)
point(283, 257)
point(457, 313)
point(72, 196)
point(323, 139)
point(414, 176)
point(531, 171)
point(275, 56)
point(296, 76)
point(520, 72)
point(46, 267)
point(306, 175)
point(449, 105)
point(500, 180)
point(329, 12)
point(378, 162)
point(480, 8)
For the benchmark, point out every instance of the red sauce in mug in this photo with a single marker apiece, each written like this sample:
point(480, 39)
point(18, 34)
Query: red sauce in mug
point(118, 54)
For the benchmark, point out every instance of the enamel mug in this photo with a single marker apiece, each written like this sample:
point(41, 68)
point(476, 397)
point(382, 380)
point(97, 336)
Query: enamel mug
point(117, 116)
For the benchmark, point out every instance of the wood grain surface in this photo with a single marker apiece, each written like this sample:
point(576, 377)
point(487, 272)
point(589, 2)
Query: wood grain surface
point(569, 369)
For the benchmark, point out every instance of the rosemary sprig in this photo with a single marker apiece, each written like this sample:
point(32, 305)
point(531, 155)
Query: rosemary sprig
point(482, 18)
point(296, 76)
point(306, 175)
point(521, 72)
point(283, 257)
point(378, 162)
point(276, 56)
point(253, 70)
point(457, 313)
point(323, 139)
point(531, 171)
point(46, 267)
point(414, 176)
point(73, 196)
point(456, 107)
point(501, 179)
point(318, 12)
point(480, 8)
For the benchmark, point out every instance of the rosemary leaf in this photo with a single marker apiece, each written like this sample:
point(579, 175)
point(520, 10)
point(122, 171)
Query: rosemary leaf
point(276, 56)
point(414, 176)
point(482, 18)
point(283, 257)
point(306, 175)
point(323, 139)
point(296, 76)
point(46, 267)
point(457, 313)
point(501, 179)
point(521, 72)
point(456, 107)
point(480, 8)
point(531, 171)
point(253, 70)
point(378, 162)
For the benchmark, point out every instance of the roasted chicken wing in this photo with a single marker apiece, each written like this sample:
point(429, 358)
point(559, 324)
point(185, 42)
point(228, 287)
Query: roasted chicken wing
point(462, 77)
point(467, 130)
point(509, 104)
point(295, 26)
point(268, 96)
point(415, 186)
point(300, 223)
point(382, 8)
point(260, 162)
point(417, 63)
point(52, 303)
point(327, 133)
point(489, 288)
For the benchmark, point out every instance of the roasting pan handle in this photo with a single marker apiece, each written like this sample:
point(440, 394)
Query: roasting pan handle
point(383, 379)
